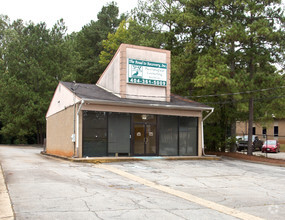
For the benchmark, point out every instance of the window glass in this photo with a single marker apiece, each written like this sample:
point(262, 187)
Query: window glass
point(118, 133)
point(270, 142)
point(168, 135)
point(276, 131)
point(188, 136)
point(139, 139)
point(253, 130)
point(94, 134)
point(264, 132)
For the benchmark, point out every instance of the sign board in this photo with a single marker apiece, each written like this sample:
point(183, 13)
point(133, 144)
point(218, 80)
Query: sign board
point(147, 72)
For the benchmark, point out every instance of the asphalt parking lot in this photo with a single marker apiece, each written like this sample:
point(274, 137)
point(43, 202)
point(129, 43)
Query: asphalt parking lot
point(41, 187)
point(280, 155)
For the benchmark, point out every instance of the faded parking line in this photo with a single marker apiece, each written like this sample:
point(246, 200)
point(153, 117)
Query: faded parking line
point(203, 202)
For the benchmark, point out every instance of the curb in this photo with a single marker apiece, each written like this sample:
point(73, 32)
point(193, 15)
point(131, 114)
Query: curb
point(6, 208)
point(127, 159)
point(256, 162)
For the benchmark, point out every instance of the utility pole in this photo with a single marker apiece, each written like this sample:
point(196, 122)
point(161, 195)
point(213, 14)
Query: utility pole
point(250, 104)
point(250, 125)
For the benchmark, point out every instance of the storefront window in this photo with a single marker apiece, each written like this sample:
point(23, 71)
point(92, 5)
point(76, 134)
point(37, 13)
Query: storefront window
point(94, 133)
point(188, 141)
point(168, 135)
point(118, 133)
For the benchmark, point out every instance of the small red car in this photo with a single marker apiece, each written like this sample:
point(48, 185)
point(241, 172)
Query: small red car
point(271, 146)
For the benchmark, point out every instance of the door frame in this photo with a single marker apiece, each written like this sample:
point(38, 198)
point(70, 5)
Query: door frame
point(133, 136)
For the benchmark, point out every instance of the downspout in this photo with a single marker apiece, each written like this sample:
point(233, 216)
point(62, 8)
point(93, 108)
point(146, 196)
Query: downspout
point(202, 128)
point(74, 123)
point(77, 128)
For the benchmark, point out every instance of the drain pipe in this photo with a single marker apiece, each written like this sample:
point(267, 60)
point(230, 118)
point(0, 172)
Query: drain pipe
point(202, 128)
point(77, 128)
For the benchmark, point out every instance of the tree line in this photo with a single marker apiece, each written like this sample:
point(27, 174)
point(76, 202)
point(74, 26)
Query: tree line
point(223, 53)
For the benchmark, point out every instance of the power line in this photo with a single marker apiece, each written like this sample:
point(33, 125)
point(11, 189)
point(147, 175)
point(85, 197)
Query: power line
point(237, 93)
point(201, 96)
point(245, 100)
point(207, 103)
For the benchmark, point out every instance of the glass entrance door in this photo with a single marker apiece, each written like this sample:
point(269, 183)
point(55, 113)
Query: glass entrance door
point(144, 139)
point(139, 140)
point(150, 139)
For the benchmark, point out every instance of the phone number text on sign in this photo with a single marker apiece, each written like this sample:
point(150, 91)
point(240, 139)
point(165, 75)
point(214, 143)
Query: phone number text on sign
point(147, 73)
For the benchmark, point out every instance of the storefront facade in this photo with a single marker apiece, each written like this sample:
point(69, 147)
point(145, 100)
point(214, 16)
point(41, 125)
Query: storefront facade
point(129, 112)
point(125, 134)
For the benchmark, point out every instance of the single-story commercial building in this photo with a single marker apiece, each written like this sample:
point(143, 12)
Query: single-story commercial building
point(128, 112)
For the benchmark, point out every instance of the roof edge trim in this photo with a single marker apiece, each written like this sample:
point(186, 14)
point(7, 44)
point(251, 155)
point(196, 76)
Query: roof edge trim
point(107, 102)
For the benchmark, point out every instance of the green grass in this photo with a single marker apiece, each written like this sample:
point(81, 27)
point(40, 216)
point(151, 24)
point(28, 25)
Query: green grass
point(282, 147)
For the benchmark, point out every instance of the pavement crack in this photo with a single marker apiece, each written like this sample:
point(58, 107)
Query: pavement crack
point(89, 209)
point(137, 204)
point(97, 215)
point(175, 214)
point(201, 182)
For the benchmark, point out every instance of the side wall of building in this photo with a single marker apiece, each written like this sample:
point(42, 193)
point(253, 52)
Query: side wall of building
point(242, 129)
point(59, 130)
point(62, 99)
point(110, 80)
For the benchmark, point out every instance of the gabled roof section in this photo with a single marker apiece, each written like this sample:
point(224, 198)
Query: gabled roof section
point(90, 91)
point(63, 97)
point(93, 93)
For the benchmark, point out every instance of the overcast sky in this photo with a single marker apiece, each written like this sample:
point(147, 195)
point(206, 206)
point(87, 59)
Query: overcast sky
point(75, 13)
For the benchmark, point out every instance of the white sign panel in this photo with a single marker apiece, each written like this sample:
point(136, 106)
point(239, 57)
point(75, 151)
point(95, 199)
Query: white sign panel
point(147, 72)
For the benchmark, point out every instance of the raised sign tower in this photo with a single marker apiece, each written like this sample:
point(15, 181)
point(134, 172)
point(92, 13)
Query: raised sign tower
point(137, 72)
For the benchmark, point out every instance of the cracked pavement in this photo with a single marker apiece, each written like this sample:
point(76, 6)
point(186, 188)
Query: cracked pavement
point(42, 187)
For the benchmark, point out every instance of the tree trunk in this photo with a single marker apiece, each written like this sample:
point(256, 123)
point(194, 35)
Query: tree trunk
point(38, 135)
point(41, 135)
point(233, 135)
point(223, 123)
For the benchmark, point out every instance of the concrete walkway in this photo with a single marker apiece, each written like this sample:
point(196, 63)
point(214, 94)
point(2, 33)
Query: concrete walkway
point(129, 159)
point(6, 211)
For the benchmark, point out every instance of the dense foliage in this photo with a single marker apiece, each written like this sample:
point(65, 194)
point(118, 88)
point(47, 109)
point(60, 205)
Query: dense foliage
point(220, 50)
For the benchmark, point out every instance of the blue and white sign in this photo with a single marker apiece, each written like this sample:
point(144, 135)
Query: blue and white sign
point(147, 72)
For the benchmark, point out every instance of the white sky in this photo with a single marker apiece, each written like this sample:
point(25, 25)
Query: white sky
point(75, 13)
